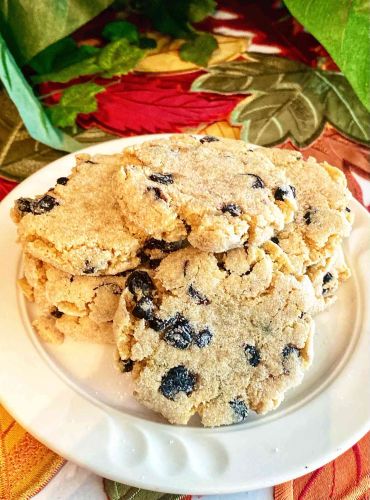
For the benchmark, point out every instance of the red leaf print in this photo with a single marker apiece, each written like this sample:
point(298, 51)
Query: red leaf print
point(139, 104)
point(5, 187)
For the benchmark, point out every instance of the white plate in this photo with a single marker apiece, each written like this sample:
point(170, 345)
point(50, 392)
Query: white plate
point(71, 398)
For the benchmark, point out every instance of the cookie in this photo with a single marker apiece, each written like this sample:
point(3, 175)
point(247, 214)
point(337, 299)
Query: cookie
point(326, 279)
point(77, 226)
point(79, 307)
point(215, 336)
point(323, 217)
point(217, 194)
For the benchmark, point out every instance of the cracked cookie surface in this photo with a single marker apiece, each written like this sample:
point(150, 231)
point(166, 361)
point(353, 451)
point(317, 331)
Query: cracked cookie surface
point(217, 193)
point(77, 226)
point(218, 337)
point(77, 307)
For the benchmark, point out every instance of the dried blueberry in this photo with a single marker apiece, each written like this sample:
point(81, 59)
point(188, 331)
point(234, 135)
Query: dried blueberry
point(203, 338)
point(144, 308)
point(239, 408)
point(327, 277)
point(252, 354)
point(275, 240)
point(162, 178)
point(157, 193)
point(178, 332)
point(156, 324)
point(89, 269)
point(177, 379)
point(282, 193)
point(165, 246)
point(208, 138)
point(186, 263)
point(348, 209)
point(307, 217)
point(56, 313)
point(44, 204)
point(257, 181)
point(24, 205)
point(199, 298)
point(289, 349)
point(140, 282)
point(62, 180)
point(232, 209)
point(126, 365)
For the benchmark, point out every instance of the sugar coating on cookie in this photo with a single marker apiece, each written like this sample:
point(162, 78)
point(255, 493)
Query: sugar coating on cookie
point(77, 225)
point(215, 336)
point(216, 193)
point(77, 307)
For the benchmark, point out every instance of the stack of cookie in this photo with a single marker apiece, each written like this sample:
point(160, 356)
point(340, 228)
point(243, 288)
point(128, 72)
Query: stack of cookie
point(202, 259)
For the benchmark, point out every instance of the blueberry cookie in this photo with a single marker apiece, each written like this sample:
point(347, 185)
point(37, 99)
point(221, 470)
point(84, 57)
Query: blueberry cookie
point(323, 217)
point(218, 336)
point(78, 307)
point(77, 226)
point(215, 193)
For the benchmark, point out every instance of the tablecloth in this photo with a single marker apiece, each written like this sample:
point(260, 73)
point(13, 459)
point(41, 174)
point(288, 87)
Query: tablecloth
point(165, 94)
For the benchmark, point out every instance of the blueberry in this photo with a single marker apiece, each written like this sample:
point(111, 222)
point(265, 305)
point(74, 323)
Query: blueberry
point(177, 379)
point(199, 298)
point(44, 204)
point(327, 277)
point(348, 209)
point(144, 308)
point(56, 313)
point(307, 217)
point(239, 408)
point(289, 349)
point(156, 324)
point(162, 178)
point(257, 181)
point(232, 209)
point(140, 282)
point(165, 246)
point(62, 180)
point(282, 193)
point(203, 338)
point(178, 332)
point(252, 354)
point(24, 205)
point(126, 365)
point(157, 193)
point(89, 269)
point(208, 138)
point(275, 240)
